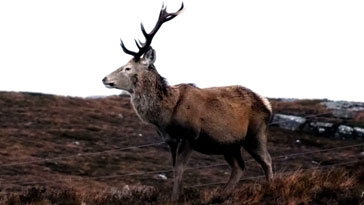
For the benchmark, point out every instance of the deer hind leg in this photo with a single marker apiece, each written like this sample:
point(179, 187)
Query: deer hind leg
point(237, 165)
point(183, 153)
point(256, 145)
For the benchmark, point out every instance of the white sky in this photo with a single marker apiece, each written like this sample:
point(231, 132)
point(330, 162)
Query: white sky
point(292, 49)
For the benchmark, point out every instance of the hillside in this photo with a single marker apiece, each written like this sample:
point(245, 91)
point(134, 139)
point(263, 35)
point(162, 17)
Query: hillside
point(65, 150)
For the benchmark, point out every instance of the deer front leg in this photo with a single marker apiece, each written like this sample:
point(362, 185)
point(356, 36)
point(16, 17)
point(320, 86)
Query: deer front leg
point(173, 144)
point(183, 153)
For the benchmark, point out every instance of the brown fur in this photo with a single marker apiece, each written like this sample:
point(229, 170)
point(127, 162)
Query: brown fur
point(225, 114)
point(217, 120)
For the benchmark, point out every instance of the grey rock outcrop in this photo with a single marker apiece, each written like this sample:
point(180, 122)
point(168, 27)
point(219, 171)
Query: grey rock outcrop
point(359, 132)
point(344, 131)
point(288, 122)
point(343, 109)
point(298, 123)
point(344, 105)
point(345, 114)
point(325, 128)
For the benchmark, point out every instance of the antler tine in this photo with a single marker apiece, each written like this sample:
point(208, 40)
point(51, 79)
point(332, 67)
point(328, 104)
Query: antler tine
point(138, 44)
point(143, 30)
point(127, 51)
point(170, 16)
point(164, 16)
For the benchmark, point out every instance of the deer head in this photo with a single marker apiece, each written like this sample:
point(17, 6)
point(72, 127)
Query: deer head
point(125, 77)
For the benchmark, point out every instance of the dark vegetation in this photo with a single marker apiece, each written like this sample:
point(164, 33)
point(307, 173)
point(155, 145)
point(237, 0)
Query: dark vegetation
point(63, 150)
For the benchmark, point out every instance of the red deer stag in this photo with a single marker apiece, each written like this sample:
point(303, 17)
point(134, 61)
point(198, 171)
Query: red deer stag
point(213, 121)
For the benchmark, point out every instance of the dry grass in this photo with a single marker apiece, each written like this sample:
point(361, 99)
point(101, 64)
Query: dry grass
point(359, 118)
point(335, 186)
point(299, 107)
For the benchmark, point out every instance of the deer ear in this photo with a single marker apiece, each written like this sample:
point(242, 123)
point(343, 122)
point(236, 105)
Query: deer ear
point(149, 57)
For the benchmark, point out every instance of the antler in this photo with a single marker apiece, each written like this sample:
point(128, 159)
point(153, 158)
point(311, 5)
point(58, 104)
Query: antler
point(164, 16)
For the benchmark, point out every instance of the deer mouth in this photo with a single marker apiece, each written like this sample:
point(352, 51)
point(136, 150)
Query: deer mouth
point(107, 83)
point(110, 85)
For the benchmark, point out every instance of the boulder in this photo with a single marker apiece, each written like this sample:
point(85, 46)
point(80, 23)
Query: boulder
point(161, 177)
point(288, 122)
point(346, 114)
point(345, 131)
point(322, 127)
point(359, 132)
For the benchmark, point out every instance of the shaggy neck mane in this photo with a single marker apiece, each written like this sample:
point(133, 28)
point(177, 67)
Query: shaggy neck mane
point(151, 83)
point(150, 96)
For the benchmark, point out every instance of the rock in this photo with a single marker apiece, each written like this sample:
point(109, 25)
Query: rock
point(333, 104)
point(125, 188)
point(288, 99)
point(288, 122)
point(345, 131)
point(162, 176)
point(322, 127)
point(343, 109)
point(121, 116)
point(322, 124)
point(346, 114)
point(344, 105)
point(359, 132)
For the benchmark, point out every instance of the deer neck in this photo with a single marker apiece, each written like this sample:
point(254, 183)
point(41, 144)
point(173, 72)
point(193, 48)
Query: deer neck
point(152, 99)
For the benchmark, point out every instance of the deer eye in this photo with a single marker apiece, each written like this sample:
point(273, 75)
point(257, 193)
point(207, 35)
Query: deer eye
point(127, 69)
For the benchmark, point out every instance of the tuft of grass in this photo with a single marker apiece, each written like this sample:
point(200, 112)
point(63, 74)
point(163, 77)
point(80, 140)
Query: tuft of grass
point(40, 196)
point(129, 194)
point(336, 186)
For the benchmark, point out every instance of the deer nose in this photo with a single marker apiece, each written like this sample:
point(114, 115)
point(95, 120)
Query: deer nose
point(107, 83)
point(104, 79)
